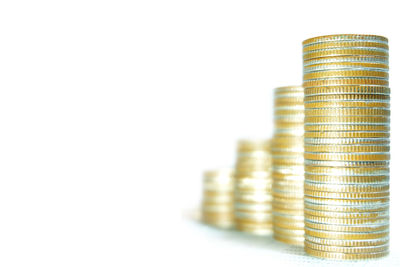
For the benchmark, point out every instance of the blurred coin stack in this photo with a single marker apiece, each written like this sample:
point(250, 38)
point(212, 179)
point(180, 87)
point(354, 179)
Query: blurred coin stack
point(253, 199)
point(346, 142)
point(288, 165)
point(217, 206)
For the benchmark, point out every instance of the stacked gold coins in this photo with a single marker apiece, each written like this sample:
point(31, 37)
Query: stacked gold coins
point(217, 206)
point(346, 142)
point(253, 199)
point(288, 165)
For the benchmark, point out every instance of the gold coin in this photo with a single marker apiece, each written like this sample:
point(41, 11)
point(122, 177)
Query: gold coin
point(255, 229)
point(345, 195)
point(289, 153)
point(293, 111)
point(346, 127)
point(376, 120)
point(281, 207)
point(287, 142)
point(346, 135)
point(296, 241)
point(347, 208)
point(281, 183)
point(338, 179)
point(348, 243)
point(291, 215)
point(347, 228)
point(288, 125)
point(346, 221)
point(289, 89)
point(325, 45)
point(367, 156)
point(288, 218)
point(346, 66)
point(347, 148)
point(345, 81)
point(347, 111)
point(289, 174)
point(346, 141)
point(352, 167)
point(262, 197)
point(344, 73)
point(287, 188)
point(287, 194)
point(345, 38)
point(288, 162)
point(346, 215)
point(294, 225)
point(346, 59)
point(377, 52)
point(288, 232)
point(338, 103)
point(357, 90)
point(345, 187)
point(288, 101)
point(352, 250)
point(345, 235)
point(344, 201)
point(350, 164)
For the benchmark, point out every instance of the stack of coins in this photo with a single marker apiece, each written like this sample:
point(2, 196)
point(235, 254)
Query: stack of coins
point(253, 199)
point(346, 142)
point(288, 165)
point(217, 205)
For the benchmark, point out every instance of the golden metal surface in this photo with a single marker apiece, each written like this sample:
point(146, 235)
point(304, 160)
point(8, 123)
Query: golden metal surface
point(345, 38)
point(325, 45)
point(345, 81)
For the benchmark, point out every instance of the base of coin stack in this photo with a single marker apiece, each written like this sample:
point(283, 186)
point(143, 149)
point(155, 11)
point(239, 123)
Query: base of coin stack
point(253, 199)
point(217, 205)
point(288, 165)
point(347, 116)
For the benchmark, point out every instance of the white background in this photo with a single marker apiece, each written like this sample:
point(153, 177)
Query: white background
point(111, 110)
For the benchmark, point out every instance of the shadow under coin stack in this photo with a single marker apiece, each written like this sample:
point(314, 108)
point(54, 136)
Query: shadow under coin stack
point(346, 144)
point(288, 166)
point(252, 208)
point(217, 206)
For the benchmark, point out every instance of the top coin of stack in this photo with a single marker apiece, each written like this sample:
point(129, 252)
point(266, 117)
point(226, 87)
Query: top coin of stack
point(252, 208)
point(288, 165)
point(217, 205)
point(346, 144)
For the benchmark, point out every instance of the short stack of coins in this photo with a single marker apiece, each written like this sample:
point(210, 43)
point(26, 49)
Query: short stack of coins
point(217, 205)
point(288, 165)
point(253, 199)
point(346, 143)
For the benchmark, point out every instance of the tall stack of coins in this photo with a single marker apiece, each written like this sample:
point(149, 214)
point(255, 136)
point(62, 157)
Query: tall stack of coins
point(253, 199)
point(288, 165)
point(346, 144)
point(217, 206)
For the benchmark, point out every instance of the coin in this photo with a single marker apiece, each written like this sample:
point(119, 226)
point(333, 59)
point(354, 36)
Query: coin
point(345, 38)
point(347, 250)
point(340, 44)
point(347, 228)
point(345, 73)
point(308, 185)
point(347, 242)
point(363, 81)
